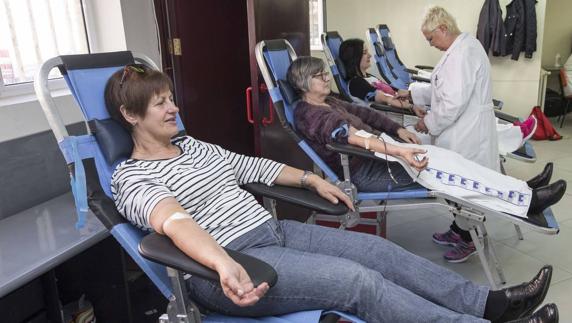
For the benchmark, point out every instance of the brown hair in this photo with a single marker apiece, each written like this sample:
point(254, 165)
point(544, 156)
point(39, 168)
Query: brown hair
point(133, 87)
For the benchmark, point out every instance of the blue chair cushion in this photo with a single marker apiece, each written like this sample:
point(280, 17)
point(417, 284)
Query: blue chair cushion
point(114, 140)
point(288, 92)
point(388, 43)
point(341, 68)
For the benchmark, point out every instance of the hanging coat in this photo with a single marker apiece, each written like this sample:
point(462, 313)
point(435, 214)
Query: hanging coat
point(520, 28)
point(515, 29)
point(461, 118)
point(490, 30)
point(530, 21)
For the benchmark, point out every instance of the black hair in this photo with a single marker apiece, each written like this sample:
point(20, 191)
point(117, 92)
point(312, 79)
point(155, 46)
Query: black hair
point(351, 51)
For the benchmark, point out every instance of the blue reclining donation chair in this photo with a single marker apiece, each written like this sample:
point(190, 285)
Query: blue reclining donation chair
point(391, 53)
point(331, 42)
point(91, 159)
point(274, 58)
point(401, 78)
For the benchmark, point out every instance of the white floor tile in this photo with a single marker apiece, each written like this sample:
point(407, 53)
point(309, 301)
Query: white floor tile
point(553, 250)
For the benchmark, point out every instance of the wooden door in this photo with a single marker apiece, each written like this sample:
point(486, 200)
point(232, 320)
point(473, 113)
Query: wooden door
point(211, 71)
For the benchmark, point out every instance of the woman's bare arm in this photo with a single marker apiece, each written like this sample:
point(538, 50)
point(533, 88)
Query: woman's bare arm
point(196, 243)
point(374, 144)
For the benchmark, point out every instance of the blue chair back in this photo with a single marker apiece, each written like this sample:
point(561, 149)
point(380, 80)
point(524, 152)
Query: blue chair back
point(86, 77)
point(391, 54)
point(381, 62)
point(331, 42)
point(273, 58)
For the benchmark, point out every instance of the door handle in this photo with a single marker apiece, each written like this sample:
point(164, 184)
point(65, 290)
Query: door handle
point(249, 115)
point(267, 121)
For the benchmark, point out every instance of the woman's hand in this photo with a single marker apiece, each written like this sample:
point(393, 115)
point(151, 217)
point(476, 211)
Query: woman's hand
point(421, 127)
point(237, 286)
point(411, 156)
point(419, 111)
point(408, 136)
point(404, 95)
point(328, 191)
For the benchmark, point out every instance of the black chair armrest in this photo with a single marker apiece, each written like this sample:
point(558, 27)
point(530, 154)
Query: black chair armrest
point(411, 71)
point(505, 117)
point(351, 150)
point(297, 196)
point(424, 67)
point(159, 248)
point(387, 108)
point(420, 79)
point(498, 104)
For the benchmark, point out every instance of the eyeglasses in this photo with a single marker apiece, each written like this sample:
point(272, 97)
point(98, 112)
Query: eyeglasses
point(137, 68)
point(325, 76)
point(430, 39)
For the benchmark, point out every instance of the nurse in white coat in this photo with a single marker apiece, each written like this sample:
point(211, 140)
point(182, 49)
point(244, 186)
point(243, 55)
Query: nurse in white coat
point(460, 93)
point(461, 116)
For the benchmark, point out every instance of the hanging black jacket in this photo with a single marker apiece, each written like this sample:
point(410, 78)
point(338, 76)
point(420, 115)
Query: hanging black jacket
point(520, 28)
point(530, 39)
point(514, 28)
point(490, 30)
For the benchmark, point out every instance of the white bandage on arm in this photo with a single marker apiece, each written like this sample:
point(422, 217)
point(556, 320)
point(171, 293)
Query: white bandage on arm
point(363, 134)
point(175, 216)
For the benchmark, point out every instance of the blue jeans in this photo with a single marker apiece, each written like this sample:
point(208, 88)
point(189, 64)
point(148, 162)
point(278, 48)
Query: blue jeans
point(362, 274)
point(373, 176)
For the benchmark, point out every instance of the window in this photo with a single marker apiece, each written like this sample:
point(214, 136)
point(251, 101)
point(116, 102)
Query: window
point(317, 23)
point(32, 31)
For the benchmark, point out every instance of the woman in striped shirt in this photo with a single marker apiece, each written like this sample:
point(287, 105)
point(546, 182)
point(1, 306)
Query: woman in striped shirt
point(189, 190)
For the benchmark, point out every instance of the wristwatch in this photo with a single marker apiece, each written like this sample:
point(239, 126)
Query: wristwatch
point(304, 178)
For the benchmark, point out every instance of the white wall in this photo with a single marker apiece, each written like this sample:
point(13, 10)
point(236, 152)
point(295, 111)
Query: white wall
point(105, 25)
point(26, 118)
point(557, 36)
point(557, 31)
point(140, 28)
point(514, 82)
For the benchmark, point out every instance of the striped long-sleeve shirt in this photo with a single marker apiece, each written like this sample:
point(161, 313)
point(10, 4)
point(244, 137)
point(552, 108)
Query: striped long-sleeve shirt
point(204, 179)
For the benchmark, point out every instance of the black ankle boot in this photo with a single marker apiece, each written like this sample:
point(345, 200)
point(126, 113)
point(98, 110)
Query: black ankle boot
point(546, 196)
point(547, 314)
point(543, 178)
point(524, 298)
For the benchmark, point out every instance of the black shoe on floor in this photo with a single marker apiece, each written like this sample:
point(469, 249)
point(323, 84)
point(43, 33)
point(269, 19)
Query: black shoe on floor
point(523, 299)
point(546, 196)
point(543, 178)
point(546, 314)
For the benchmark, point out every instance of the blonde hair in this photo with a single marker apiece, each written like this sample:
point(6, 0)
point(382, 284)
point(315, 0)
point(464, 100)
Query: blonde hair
point(437, 16)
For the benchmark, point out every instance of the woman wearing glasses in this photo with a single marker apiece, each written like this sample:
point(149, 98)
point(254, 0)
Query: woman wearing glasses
point(460, 93)
point(461, 117)
point(322, 119)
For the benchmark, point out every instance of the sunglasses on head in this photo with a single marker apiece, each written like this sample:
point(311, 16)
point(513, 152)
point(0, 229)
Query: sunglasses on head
point(128, 69)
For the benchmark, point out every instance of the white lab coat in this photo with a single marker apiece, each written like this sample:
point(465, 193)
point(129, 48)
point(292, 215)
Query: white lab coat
point(461, 118)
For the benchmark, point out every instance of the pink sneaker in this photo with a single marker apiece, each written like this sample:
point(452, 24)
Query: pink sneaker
point(461, 252)
point(527, 127)
point(449, 238)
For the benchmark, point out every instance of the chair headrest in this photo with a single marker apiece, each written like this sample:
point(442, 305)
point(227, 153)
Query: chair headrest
point(378, 49)
point(288, 92)
point(114, 141)
point(387, 43)
point(341, 68)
